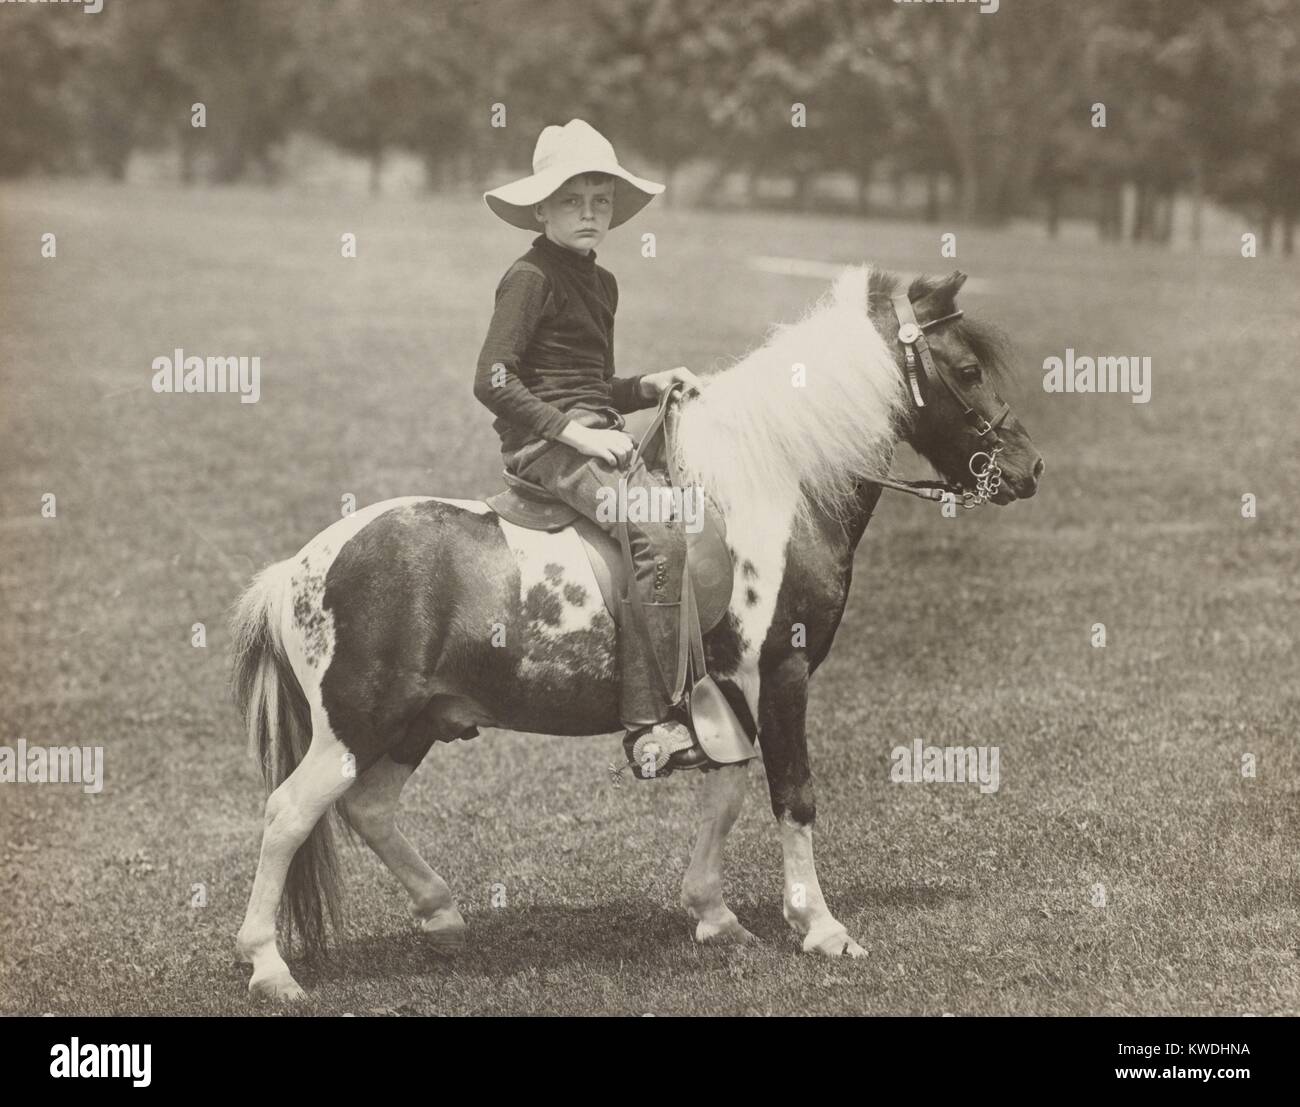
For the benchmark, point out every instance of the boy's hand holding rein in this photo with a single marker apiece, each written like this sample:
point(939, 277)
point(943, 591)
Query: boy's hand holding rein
point(654, 385)
point(612, 446)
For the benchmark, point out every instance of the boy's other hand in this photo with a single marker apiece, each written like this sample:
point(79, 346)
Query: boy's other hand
point(612, 446)
point(654, 385)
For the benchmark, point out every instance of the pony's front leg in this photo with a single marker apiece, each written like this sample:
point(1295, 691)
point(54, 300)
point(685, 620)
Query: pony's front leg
point(724, 792)
point(782, 709)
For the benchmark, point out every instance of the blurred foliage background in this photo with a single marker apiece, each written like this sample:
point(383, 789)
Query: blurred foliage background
point(918, 110)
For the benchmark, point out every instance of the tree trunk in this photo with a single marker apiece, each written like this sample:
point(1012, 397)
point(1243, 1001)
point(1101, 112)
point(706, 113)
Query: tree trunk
point(1198, 198)
point(803, 197)
point(670, 170)
point(187, 157)
point(985, 192)
point(1101, 207)
point(712, 186)
point(232, 157)
point(972, 200)
point(1004, 203)
point(434, 168)
point(932, 196)
point(1164, 223)
point(1141, 212)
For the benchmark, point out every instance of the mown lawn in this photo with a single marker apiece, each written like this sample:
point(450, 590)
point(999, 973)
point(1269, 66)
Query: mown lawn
point(1120, 766)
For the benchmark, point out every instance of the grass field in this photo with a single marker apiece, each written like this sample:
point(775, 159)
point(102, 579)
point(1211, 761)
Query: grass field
point(1120, 766)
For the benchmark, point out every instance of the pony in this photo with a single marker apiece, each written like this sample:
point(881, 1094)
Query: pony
point(418, 620)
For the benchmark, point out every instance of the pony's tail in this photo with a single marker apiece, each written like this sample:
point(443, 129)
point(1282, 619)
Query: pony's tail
point(278, 719)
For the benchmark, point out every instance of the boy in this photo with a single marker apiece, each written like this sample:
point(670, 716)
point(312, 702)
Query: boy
point(547, 372)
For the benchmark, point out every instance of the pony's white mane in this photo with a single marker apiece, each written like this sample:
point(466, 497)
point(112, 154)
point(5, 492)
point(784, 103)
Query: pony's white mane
point(756, 438)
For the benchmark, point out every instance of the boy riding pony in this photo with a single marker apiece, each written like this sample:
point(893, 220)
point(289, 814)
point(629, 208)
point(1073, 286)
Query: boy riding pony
point(546, 372)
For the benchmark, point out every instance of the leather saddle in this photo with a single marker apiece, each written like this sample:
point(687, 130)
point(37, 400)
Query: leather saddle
point(531, 506)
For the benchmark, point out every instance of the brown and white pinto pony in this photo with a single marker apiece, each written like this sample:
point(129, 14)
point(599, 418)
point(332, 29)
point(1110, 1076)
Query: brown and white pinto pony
point(417, 620)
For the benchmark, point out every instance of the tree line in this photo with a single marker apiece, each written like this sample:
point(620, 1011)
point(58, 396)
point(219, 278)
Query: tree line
point(1045, 107)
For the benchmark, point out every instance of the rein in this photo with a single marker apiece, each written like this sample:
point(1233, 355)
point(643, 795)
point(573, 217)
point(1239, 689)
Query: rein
point(987, 472)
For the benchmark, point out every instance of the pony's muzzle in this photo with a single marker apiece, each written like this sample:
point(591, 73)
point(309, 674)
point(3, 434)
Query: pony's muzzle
point(1026, 486)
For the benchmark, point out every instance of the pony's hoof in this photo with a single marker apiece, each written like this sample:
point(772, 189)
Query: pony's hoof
point(835, 944)
point(281, 988)
point(729, 933)
point(446, 930)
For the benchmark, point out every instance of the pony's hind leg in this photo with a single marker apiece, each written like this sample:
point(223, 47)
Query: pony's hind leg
point(724, 792)
point(292, 811)
point(372, 811)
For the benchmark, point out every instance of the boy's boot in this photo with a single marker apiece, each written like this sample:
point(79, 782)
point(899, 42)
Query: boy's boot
point(658, 731)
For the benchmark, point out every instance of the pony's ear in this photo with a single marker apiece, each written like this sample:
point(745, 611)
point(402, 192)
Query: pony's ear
point(942, 299)
point(952, 283)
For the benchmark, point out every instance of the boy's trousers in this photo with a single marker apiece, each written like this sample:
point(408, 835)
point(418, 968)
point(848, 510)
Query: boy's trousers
point(658, 556)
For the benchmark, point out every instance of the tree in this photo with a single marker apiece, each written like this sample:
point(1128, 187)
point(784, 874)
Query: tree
point(36, 57)
point(997, 88)
point(1259, 172)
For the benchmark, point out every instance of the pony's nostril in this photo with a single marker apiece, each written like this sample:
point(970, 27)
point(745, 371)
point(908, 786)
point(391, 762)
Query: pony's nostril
point(1038, 468)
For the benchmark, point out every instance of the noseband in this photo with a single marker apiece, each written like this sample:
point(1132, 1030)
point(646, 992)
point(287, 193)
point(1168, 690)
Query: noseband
point(983, 464)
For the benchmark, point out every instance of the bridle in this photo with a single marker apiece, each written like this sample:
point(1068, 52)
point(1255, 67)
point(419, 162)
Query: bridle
point(987, 472)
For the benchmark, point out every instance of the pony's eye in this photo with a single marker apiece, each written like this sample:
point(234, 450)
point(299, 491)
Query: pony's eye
point(970, 373)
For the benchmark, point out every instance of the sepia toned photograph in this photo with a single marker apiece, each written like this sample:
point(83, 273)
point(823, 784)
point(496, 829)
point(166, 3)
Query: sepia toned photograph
point(650, 507)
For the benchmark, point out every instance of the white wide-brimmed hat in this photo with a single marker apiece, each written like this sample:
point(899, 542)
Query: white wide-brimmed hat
point(561, 153)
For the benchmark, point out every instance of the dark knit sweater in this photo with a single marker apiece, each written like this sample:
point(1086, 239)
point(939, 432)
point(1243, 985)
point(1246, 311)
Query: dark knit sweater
point(550, 346)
